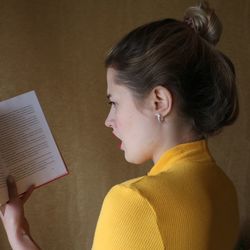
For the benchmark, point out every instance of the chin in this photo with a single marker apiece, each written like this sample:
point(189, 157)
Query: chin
point(134, 159)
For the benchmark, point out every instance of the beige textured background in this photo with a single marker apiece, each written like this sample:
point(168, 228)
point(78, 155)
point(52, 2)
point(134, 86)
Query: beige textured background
point(57, 48)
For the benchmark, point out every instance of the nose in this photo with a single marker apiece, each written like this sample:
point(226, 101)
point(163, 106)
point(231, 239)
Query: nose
point(108, 121)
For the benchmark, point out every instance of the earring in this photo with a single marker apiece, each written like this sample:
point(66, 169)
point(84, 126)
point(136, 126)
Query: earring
point(159, 118)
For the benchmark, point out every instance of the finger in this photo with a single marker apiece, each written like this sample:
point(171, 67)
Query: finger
point(12, 189)
point(2, 209)
point(27, 194)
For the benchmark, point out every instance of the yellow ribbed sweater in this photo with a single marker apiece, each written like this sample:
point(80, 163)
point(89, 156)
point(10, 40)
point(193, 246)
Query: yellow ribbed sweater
point(184, 202)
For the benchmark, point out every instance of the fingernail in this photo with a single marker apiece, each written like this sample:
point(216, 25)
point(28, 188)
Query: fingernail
point(10, 179)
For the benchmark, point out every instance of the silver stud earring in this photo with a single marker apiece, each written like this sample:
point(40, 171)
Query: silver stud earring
point(159, 118)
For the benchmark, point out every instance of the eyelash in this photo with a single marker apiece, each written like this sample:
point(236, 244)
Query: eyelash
point(111, 103)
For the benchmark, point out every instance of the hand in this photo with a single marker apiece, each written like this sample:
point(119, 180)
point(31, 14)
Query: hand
point(12, 213)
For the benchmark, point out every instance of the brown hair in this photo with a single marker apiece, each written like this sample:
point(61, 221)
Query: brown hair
point(181, 56)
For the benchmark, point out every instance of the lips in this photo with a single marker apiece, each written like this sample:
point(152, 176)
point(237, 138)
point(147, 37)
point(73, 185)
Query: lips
point(120, 141)
point(116, 136)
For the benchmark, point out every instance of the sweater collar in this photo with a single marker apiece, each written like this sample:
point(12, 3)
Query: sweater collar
point(191, 151)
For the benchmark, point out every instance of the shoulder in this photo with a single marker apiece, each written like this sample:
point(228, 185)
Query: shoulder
point(128, 199)
point(138, 194)
point(124, 208)
point(136, 188)
point(126, 194)
point(126, 219)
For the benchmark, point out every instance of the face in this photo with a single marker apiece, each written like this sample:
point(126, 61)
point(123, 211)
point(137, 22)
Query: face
point(133, 126)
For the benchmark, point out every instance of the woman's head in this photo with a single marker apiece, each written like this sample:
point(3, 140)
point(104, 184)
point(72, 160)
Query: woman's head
point(181, 57)
point(136, 127)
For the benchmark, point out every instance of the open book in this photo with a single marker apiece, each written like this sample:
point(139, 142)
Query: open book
point(28, 151)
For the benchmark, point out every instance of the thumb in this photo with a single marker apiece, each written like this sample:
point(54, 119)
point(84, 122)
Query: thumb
point(27, 194)
point(2, 211)
point(12, 189)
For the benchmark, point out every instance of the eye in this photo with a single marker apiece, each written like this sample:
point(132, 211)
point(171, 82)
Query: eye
point(111, 103)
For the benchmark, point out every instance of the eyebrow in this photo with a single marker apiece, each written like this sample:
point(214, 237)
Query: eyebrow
point(108, 96)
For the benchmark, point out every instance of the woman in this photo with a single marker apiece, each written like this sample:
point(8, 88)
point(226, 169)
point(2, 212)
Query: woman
point(169, 90)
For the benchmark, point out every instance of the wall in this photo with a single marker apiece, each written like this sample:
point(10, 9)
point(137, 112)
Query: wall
point(57, 48)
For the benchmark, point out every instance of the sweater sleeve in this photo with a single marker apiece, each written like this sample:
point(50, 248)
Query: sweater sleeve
point(126, 221)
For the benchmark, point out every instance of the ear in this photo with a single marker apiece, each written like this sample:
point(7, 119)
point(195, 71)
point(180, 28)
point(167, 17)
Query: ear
point(162, 100)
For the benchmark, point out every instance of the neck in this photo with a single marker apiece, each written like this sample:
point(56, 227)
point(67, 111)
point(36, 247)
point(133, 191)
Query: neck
point(170, 136)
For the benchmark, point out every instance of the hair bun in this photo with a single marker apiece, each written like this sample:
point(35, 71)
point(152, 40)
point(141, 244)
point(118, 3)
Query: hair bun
point(203, 20)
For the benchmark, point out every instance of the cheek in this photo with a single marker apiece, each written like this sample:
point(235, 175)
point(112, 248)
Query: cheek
point(124, 124)
point(144, 133)
point(119, 123)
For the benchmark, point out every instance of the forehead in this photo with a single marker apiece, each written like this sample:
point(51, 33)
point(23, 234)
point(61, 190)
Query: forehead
point(113, 88)
point(122, 93)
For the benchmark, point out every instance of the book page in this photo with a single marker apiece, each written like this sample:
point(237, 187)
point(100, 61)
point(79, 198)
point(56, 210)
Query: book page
point(27, 149)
